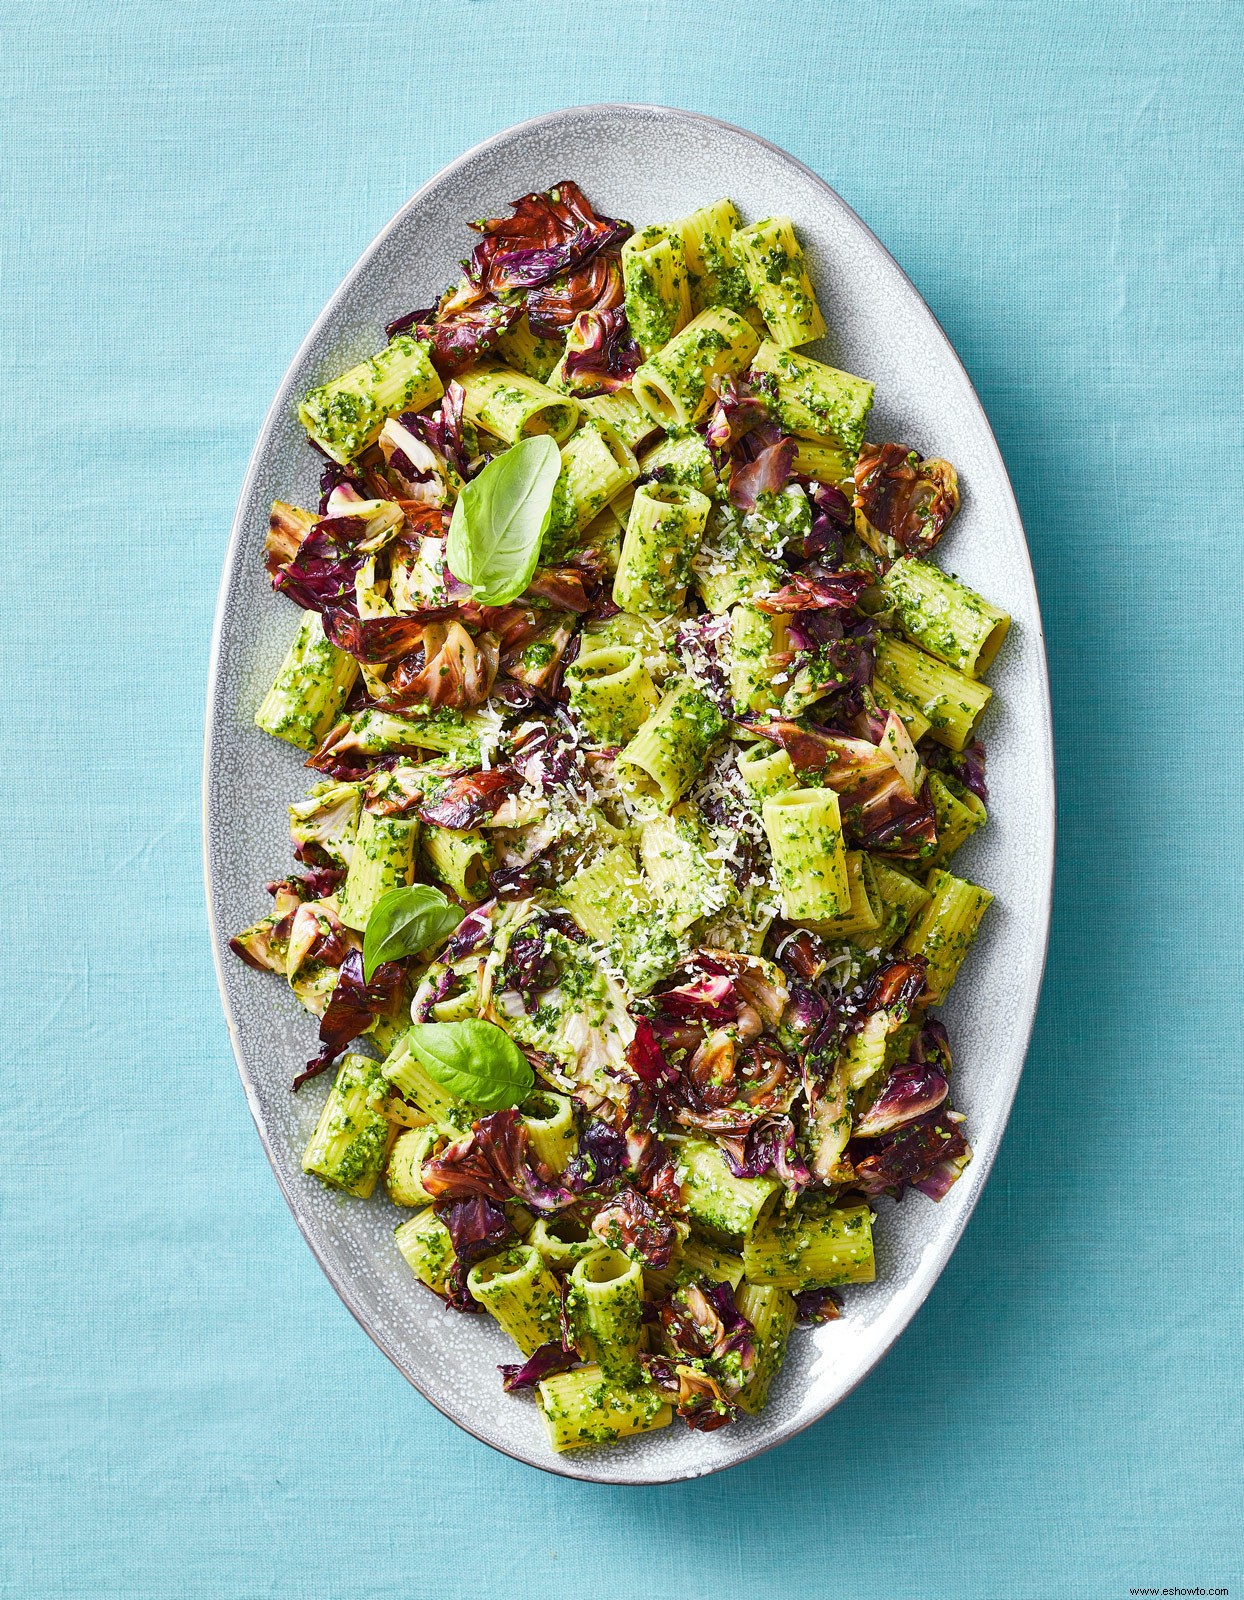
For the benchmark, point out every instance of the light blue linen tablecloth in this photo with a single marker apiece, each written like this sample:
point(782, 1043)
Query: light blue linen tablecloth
point(187, 1409)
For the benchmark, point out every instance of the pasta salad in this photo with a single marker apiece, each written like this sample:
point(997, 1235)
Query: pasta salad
point(644, 731)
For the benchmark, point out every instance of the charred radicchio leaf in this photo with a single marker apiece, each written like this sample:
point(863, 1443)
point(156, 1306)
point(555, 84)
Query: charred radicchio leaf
point(769, 1147)
point(374, 640)
point(967, 765)
point(906, 500)
point(634, 1225)
point(816, 591)
point(596, 286)
point(549, 232)
point(355, 1003)
point(547, 1360)
point(470, 933)
point(908, 1092)
point(471, 798)
point(701, 1319)
point(478, 1227)
point(601, 1156)
point(928, 1153)
point(818, 1305)
point(493, 1160)
point(645, 1057)
point(601, 355)
point(690, 1387)
point(769, 472)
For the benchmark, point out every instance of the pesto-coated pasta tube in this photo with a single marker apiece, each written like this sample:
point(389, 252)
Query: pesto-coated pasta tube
point(865, 913)
point(958, 812)
point(715, 275)
point(694, 1258)
point(946, 929)
point(607, 890)
point(771, 1312)
point(729, 570)
point(952, 702)
point(512, 406)
point(620, 410)
point(811, 1250)
point(777, 275)
point(551, 1133)
point(604, 1310)
point(641, 632)
point(528, 352)
point(804, 829)
point(826, 463)
point(664, 758)
point(586, 1407)
point(683, 459)
point(675, 385)
point(345, 416)
point(663, 533)
point(380, 733)
point(611, 692)
point(426, 1249)
point(766, 770)
point(754, 639)
point(562, 1241)
point(658, 296)
point(383, 858)
point(911, 716)
point(348, 1147)
point(521, 1293)
point(815, 401)
point(717, 1202)
point(402, 1071)
point(676, 851)
point(460, 858)
point(403, 1177)
point(944, 616)
point(596, 467)
point(903, 898)
point(307, 695)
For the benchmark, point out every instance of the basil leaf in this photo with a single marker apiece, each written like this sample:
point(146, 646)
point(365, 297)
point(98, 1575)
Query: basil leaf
point(476, 1061)
point(500, 519)
point(406, 921)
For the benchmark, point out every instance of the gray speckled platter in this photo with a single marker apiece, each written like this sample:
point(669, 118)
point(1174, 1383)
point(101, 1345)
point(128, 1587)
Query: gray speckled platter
point(645, 163)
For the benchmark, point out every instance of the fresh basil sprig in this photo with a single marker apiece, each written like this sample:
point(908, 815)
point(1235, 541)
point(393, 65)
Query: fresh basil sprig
point(500, 519)
point(406, 921)
point(476, 1061)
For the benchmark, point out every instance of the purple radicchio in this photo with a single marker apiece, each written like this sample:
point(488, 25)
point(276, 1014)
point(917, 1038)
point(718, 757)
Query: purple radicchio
point(698, 645)
point(637, 1227)
point(768, 1146)
point(767, 473)
point(443, 430)
point(688, 1384)
point(966, 765)
point(478, 1227)
point(907, 1093)
point(928, 1154)
point(601, 354)
point(701, 1319)
point(352, 1007)
point(600, 1158)
point(543, 1363)
point(494, 1160)
point(818, 1305)
point(832, 518)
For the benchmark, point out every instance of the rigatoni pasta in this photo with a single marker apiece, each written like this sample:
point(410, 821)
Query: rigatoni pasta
point(645, 727)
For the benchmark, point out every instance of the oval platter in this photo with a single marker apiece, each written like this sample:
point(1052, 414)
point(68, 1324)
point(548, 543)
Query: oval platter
point(645, 163)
